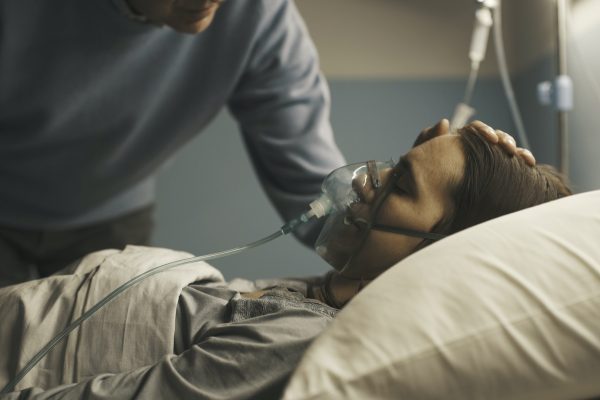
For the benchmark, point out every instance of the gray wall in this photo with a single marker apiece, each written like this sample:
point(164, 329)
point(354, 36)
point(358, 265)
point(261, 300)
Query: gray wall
point(583, 67)
point(209, 198)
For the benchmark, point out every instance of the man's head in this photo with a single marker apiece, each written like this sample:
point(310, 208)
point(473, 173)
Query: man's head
point(186, 16)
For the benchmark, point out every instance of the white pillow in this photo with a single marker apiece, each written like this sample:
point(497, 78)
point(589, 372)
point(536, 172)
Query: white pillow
point(507, 309)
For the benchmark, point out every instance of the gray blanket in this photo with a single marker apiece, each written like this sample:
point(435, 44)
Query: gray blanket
point(179, 334)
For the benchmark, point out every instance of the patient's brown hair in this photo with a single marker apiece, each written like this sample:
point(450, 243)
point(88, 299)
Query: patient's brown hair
point(495, 183)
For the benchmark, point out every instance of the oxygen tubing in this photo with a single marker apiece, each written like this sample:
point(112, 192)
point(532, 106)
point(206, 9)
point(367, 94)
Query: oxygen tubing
point(285, 229)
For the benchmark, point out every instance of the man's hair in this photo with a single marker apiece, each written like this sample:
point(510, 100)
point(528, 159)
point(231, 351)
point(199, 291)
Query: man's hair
point(496, 183)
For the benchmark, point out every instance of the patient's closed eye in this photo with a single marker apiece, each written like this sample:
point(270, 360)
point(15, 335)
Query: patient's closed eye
point(402, 189)
point(401, 181)
point(404, 178)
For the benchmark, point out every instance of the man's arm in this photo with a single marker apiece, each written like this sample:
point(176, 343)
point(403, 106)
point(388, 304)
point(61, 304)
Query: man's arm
point(282, 104)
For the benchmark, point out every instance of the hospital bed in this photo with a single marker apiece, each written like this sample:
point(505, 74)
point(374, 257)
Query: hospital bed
point(509, 309)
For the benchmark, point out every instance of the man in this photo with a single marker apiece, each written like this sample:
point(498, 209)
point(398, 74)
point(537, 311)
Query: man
point(97, 94)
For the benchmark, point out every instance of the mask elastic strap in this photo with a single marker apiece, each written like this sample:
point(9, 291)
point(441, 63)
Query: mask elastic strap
point(373, 172)
point(408, 232)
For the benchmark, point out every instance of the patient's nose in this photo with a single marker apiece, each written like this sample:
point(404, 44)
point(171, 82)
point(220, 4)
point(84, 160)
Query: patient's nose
point(368, 186)
point(363, 188)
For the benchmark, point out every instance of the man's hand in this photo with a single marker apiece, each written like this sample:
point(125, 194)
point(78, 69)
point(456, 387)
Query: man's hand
point(439, 129)
point(501, 138)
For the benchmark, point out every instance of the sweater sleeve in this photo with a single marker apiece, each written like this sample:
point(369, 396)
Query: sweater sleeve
point(282, 105)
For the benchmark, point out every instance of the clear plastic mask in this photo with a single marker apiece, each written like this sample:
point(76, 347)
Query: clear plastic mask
point(351, 197)
point(348, 222)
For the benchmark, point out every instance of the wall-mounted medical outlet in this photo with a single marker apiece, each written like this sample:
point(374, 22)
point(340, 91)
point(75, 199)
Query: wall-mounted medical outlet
point(558, 93)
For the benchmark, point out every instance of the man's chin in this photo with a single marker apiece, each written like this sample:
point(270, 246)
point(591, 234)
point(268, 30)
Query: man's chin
point(191, 27)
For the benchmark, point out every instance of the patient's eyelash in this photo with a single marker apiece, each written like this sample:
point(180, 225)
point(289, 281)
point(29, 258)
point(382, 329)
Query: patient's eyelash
point(400, 185)
point(403, 178)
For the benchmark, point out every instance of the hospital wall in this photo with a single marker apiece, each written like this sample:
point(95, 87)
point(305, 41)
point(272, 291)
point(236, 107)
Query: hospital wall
point(393, 68)
point(584, 123)
point(583, 55)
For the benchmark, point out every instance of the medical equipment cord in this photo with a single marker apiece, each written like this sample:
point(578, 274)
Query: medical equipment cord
point(502, 67)
point(471, 84)
point(285, 229)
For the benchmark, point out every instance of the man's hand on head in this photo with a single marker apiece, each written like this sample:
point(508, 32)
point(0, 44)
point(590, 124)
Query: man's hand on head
point(493, 136)
point(502, 139)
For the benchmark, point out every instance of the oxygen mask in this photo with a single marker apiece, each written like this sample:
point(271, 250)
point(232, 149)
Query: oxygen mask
point(349, 199)
point(352, 196)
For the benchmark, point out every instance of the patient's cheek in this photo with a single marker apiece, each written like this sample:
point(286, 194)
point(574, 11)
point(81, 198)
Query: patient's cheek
point(380, 252)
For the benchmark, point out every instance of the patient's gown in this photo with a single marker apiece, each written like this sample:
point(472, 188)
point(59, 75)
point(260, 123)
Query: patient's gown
point(192, 340)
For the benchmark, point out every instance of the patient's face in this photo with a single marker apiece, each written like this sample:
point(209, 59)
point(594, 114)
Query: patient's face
point(418, 197)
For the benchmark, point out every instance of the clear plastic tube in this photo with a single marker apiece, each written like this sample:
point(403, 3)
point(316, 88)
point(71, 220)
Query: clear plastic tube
point(288, 227)
point(463, 111)
point(479, 39)
point(471, 83)
point(483, 22)
point(503, 68)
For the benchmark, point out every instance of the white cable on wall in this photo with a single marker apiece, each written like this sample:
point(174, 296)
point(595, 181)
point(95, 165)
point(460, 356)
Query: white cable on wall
point(502, 67)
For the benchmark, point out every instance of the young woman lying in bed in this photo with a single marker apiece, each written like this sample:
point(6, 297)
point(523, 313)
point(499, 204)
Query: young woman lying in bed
point(188, 334)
